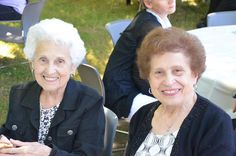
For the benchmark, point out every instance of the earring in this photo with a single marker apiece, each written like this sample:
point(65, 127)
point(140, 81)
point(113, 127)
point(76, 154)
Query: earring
point(195, 86)
point(150, 91)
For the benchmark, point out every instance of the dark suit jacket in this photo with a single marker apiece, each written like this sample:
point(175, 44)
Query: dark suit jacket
point(221, 5)
point(121, 77)
point(206, 131)
point(76, 129)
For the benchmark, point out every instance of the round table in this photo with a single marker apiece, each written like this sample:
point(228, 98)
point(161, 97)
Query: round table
point(218, 82)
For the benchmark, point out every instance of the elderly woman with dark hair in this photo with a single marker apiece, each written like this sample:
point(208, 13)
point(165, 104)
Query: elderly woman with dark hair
point(181, 123)
point(54, 115)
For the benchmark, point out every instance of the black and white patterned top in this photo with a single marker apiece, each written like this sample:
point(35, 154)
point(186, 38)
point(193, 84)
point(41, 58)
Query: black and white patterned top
point(46, 116)
point(157, 145)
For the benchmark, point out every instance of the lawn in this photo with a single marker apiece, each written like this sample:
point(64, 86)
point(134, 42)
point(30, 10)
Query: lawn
point(89, 17)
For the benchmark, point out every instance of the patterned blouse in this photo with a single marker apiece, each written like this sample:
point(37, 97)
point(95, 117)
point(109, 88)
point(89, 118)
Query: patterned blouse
point(157, 145)
point(46, 116)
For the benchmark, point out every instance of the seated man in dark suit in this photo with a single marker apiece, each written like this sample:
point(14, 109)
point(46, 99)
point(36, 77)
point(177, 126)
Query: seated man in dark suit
point(125, 91)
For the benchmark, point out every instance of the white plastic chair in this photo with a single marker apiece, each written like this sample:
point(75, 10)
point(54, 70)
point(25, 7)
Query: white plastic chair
point(221, 18)
point(91, 77)
point(30, 16)
point(115, 28)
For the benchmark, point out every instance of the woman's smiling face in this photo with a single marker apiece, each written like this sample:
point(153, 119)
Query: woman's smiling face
point(52, 66)
point(171, 78)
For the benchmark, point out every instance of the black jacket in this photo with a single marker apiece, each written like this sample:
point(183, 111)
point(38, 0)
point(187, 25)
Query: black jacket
point(206, 131)
point(76, 129)
point(121, 77)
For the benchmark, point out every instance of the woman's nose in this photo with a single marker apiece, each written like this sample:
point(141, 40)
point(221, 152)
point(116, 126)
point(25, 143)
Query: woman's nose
point(51, 68)
point(169, 80)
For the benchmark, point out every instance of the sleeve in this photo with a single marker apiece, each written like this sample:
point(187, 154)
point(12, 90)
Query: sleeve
point(220, 139)
point(90, 136)
point(143, 28)
point(140, 123)
point(120, 82)
point(132, 126)
point(3, 129)
point(141, 31)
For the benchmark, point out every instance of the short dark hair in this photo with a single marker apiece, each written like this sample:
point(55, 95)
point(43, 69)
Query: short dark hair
point(160, 41)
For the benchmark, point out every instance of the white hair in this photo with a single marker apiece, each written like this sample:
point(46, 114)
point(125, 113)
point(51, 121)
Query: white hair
point(58, 31)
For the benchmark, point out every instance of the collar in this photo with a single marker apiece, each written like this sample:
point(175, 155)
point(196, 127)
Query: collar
point(30, 100)
point(165, 23)
point(72, 92)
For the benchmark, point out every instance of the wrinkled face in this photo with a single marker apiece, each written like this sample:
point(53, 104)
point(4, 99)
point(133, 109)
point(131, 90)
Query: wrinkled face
point(171, 79)
point(52, 66)
point(161, 7)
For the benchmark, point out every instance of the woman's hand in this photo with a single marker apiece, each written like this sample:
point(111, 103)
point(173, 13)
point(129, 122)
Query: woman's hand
point(26, 149)
point(4, 142)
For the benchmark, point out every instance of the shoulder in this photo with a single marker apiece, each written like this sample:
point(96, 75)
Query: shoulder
point(207, 115)
point(144, 113)
point(212, 125)
point(24, 86)
point(146, 18)
point(147, 108)
point(78, 93)
point(211, 109)
point(22, 89)
point(83, 89)
point(144, 22)
point(143, 14)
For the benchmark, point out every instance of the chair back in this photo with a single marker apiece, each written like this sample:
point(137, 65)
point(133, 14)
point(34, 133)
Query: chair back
point(115, 28)
point(31, 15)
point(110, 131)
point(221, 18)
point(91, 77)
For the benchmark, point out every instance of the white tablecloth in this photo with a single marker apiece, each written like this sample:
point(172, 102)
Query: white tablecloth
point(218, 82)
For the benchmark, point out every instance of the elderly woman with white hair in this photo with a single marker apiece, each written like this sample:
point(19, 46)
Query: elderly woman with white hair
point(53, 115)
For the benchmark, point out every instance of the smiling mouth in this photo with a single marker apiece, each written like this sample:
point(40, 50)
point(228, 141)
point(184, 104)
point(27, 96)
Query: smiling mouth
point(50, 79)
point(171, 92)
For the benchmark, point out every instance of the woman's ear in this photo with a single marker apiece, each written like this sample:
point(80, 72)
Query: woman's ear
point(147, 3)
point(195, 78)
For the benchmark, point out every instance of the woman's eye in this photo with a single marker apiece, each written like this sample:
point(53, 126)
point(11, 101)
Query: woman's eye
point(43, 60)
point(60, 61)
point(178, 71)
point(158, 73)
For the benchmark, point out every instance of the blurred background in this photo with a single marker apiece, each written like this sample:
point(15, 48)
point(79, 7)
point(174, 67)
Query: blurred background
point(89, 17)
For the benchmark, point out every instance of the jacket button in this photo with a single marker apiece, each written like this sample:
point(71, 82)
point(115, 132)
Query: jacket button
point(14, 127)
point(49, 138)
point(70, 132)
